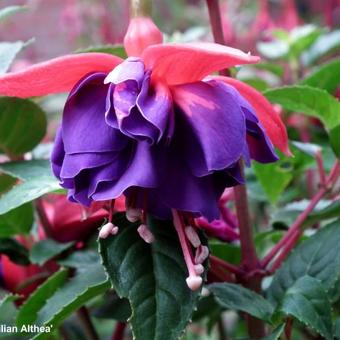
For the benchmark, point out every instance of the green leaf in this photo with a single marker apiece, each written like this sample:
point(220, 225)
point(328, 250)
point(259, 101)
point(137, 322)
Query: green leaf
point(273, 177)
point(87, 283)
point(28, 312)
point(302, 37)
point(17, 221)
point(256, 82)
point(312, 102)
point(324, 77)
point(8, 299)
point(274, 49)
point(271, 67)
point(309, 100)
point(292, 45)
point(11, 10)
point(152, 277)
point(225, 251)
point(324, 210)
point(8, 312)
point(308, 148)
point(324, 45)
point(275, 335)
point(318, 257)
point(8, 52)
point(37, 180)
point(27, 170)
point(307, 301)
point(236, 297)
point(80, 259)
point(117, 50)
point(113, 308)
point(6, 183)
point(22, 125)
point(14, 250)
point(45, 250)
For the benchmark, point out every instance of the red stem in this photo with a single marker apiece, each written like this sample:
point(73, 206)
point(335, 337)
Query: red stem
point(87, 324)
point(333, 176)
point(321, 168)
point(249, 256)
point(216, 26)
point(250, 261)
point(291, 242)
point(226, 265)
point(221, 274)
point(289, 328)
point(118, 333)
point(45, 223)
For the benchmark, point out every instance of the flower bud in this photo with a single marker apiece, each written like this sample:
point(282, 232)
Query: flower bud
point(141, 33)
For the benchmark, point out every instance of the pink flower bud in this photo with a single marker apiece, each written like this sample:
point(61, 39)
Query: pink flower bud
point(141, 33)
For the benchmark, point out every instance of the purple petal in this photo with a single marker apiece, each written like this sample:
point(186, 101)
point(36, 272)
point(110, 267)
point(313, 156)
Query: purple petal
point(155, 105)
point(84, 128)
point(73, 164)
point(58, 154)
point(140, 172)
point(131, 69)
point(260, 147)
point(212, 125)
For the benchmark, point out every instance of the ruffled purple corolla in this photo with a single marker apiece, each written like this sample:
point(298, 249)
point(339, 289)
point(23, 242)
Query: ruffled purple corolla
point(164, 147)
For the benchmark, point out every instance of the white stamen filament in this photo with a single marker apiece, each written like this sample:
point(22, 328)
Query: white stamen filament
point(106, 230)
point(202, 254)
point(199, 269)
point(114, 230)
point(145, 233)
point(192, 236)
point(133, 214)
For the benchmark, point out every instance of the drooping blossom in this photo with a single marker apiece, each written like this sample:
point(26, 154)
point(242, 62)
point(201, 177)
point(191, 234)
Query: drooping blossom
point(24, 279)
point(68, 221)
point(155, 127)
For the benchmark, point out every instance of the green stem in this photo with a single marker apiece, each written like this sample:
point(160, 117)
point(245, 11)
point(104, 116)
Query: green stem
point(140, 8)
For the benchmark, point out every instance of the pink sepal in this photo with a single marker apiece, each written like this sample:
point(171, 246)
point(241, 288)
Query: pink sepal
point(56, 75)
point(184, 63)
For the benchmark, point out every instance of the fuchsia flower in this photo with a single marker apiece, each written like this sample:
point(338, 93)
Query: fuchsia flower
point(69, 221)
point(23, 280)
point(156, 126)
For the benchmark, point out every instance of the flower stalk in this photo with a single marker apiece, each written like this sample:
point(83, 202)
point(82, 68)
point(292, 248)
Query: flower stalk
point(250, 260)
point(216, 26)
point(140, 8)
point(85, 319)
